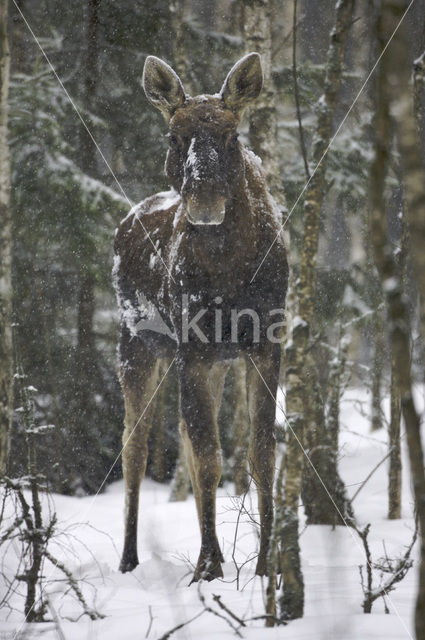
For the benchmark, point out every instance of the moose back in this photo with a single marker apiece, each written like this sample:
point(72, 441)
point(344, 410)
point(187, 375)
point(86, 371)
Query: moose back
point(184, 265)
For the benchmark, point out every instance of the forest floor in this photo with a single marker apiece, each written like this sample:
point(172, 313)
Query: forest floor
point(156, 597)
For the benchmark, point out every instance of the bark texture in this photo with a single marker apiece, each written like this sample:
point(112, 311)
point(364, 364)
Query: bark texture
point(405, 104)
point(377, 370)
point(393, 88)
point(6, 363)
point(85, 356)
point(181, 482)
point(262, 114)
point(394, 471)
point(240, 427)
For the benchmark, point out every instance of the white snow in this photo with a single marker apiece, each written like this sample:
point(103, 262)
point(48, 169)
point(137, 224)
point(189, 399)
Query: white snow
point(156, 594)
point(92, 190)
point(299, 322)
point(192, 160)
point(391, 285)
point(253, 160)
point(129, 315)
point(255, 164)
point(154, 255)
point(167, 199)
point(159, 202)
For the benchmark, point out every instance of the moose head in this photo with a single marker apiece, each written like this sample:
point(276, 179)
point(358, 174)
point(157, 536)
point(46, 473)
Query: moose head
point(204, 162)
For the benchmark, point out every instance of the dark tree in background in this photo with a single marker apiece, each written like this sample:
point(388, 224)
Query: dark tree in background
point(395, 72)
point(66, 206)
point(6, 366)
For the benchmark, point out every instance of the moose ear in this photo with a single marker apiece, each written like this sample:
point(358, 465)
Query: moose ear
point(243, 83)
point(162, 86)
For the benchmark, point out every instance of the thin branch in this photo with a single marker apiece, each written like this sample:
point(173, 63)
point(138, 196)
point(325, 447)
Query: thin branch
point(368, 477)
point(94, 615)
point(221, 604)
point(181, 625)
point(216, 613)
point(148, 630)
point(241, 509)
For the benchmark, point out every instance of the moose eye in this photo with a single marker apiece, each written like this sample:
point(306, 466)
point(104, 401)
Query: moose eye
point(232, 140)
point(173, 140)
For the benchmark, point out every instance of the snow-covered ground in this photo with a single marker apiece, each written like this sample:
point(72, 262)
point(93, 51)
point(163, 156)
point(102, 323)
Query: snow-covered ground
point(156, 597)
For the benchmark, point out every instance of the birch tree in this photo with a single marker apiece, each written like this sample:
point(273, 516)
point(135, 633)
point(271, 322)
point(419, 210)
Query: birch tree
point(258, 16)
point(300, 370)
point(257, 31)
point(6, 364)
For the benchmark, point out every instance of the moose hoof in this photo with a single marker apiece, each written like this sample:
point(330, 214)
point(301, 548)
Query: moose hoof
point(128, 564)
point(208, 569)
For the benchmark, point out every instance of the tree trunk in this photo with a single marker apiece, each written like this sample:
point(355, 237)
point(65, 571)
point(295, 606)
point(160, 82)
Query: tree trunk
point(262, 114)
point(411, 161)
point(337, 369)
point(377, 369)
point(157, 450)
point(291, 602)
point(240, 426)
point(394, 471)
point(320, 509)
point(178, 11)
point(181, 480)
point(323, 491)
point(298, 375)
point(85, 356)
point(393, 87)
point(6, 360)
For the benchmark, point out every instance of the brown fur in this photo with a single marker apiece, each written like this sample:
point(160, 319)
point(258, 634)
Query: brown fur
point(209, 263)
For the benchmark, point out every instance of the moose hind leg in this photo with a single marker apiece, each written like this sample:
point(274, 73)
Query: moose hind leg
point(262, 445)
point(138, 380)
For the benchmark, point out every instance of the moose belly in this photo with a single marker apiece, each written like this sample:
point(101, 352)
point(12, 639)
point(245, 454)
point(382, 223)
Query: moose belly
point(226, 325)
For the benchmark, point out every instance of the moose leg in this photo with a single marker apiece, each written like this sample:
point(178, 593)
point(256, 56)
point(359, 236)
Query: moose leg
point(216, 384)
point(262, 408)
point(138, 380)
point(199, 399)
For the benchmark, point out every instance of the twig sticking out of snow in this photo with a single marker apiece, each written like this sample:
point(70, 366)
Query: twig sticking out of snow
point(396, 567)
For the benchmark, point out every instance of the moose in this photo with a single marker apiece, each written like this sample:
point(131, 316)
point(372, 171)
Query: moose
point(193, 250)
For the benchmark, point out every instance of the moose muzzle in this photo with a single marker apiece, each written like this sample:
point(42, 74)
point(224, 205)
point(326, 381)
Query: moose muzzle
point(205, 210)
point(204, 187)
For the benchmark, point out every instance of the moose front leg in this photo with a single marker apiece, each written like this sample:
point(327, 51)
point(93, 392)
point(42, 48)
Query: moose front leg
point(199, 401)
point(262, 378)
point(138, 380)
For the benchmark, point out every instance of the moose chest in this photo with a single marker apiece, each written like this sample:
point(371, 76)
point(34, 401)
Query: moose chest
point(211, 298)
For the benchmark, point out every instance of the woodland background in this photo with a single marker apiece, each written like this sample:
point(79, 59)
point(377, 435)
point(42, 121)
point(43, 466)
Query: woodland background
point(65, 204)
point(64, 216)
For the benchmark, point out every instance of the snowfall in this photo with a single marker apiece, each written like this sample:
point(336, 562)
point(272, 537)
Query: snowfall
point(156, 596)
